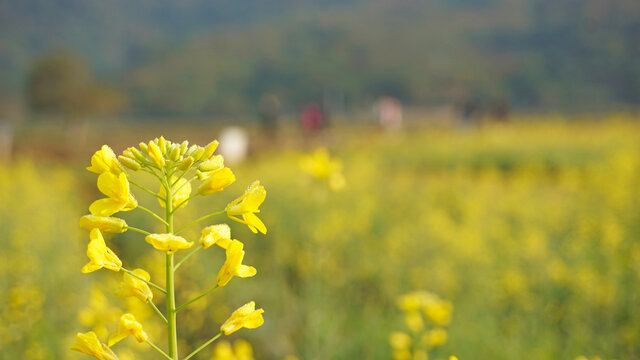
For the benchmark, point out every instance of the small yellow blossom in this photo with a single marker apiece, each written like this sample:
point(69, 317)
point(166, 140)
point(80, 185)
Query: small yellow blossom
point(399, 340)
point(321, 166)
point(100, 255)
point(420, 355)
point(223, 351)
point(128, 325)
point(168, 243)
point(104, 223)
point(453, 357)
point(116, 187)
point(89, 344)
point(414, 322)
point(133, 286)
point(247, 205)
point(216, 234)
point(246, 316)
point(243, 350)
point(233, 265)
point(434, 338)
point(401, 355)
point(178, 197)
point(105, 160)
point(439, 311)
point(155, 154)
point(217, 181)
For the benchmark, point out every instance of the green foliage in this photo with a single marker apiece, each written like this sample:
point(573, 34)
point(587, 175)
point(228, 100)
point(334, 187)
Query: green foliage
point(221, 57)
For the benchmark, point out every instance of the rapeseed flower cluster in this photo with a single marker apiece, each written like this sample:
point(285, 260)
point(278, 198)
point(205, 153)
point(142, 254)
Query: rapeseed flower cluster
point(176, 166)
point(321, 166)
point(426, 316)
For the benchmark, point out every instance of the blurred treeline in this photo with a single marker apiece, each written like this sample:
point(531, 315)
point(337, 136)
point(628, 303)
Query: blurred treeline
point(200, 57)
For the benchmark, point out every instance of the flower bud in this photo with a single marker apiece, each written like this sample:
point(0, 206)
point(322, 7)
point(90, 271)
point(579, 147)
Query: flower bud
point(183, 147)
point(217, 182)
point(186, 163)
point(162, 144)
point(144, 147)
point(155, 154)
point(209, 149)
point(192, 149)
point(175, 153)
point(198, 154)
point(128, 153)
point(129, 162)
point(104, 223)
point(215, 163)
point(137, 154)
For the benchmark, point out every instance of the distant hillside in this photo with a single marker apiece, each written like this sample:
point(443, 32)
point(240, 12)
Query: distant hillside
point(202, 56)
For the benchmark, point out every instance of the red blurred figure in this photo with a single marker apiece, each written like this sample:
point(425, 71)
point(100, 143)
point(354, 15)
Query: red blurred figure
point(311, 118)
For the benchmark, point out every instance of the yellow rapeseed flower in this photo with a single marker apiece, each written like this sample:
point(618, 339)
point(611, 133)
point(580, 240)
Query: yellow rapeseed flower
point(168, 243)
point(128, 325)
point(223, 351)
point(89, 344)
point(217, 181)
point(105, 160)
point(233, 265)
point(321, 166)
point(246, 316)
point(399, 340)
point(216, 234)
point(178, 197)
point(420, 355)
point(100, 255)
point(104, 223)
point(247, 205)
point(133, 286)
point(116, 187)
point(434, 338)
point(414, 321)
point(243, 350)
point(439, 311)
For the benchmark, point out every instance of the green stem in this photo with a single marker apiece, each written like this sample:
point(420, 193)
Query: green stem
point(186, 257)
point(153, 214)
point(143, 279)
point(203, 346)
point(172, 332)
point(198, 220)
point(184, 202)
point(145, 189)
point(158, 350)
point(138, 230)
point(155, 308)
point(196, 298)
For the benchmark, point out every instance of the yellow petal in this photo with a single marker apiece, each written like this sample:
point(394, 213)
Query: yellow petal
point(105, 207)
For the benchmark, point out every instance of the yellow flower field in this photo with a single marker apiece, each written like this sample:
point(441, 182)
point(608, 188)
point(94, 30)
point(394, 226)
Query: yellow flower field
point(530, 230)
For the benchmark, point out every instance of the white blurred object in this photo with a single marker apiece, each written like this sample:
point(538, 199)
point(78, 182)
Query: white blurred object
point(6, 141)
point(234, 144)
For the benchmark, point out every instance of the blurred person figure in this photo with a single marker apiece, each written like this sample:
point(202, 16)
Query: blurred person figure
point(6, 140)
point(234, 144)
point(390, 113)
point(269, 111)
point(311, 119)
